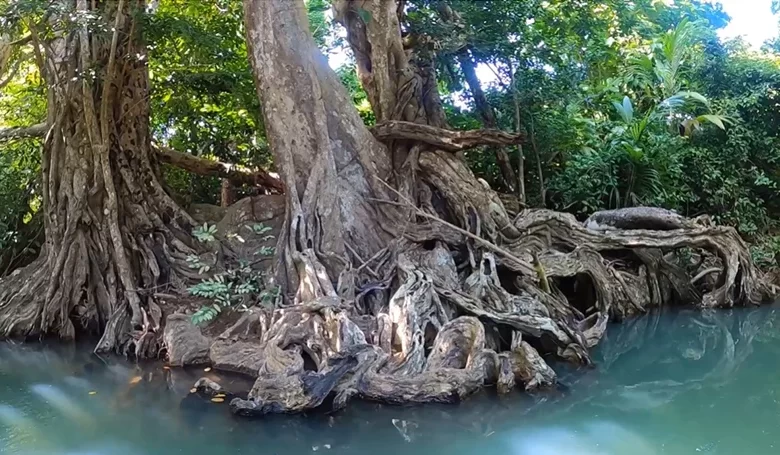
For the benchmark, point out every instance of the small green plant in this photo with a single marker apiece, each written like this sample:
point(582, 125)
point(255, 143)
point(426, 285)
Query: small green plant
point(262, 229)
point(236, 287)
point(259, 229)
point(205, 233)
point(765, 252)
point(194, 262)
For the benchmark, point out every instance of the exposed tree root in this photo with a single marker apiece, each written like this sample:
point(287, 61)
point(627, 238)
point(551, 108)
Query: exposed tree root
point(444, 334)
point(422, 289)
point(407, 280)
point(113, 236)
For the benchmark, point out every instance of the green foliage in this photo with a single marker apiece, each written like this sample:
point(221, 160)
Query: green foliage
point(766, 252)
point(666, 155)
point(259, 228)
point(621, 103)
point(203, 100)
point(348, 76)
point(205, 233)
point(22, 103)
point(20, 226)
point(238, 286)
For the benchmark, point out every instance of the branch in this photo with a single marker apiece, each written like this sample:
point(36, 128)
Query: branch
point(205, 167)
point(21, 41)
point(11, 74)
point(191, 163)
point(20, 132)
point(449, 140)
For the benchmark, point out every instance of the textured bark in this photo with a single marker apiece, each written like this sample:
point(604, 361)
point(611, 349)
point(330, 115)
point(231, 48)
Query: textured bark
point(538, 158)
point(210, 168)
point(441, 138)
point(520, 154)
point(112, 233)
point(329, 162)
point(37, 130)
point(185, 345)
point(406, 280)
point(652, 218)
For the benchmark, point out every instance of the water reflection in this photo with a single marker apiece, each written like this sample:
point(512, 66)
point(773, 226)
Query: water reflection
point(671, 382)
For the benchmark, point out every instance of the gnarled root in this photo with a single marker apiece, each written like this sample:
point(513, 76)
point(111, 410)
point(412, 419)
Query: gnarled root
point(446, 333)
point(458, 365)
point(739, 283)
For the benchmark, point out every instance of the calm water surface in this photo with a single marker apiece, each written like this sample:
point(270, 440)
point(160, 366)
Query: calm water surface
point(677, 382)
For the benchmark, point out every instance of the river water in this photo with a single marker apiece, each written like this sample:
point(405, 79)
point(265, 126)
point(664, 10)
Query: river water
point(672, 382)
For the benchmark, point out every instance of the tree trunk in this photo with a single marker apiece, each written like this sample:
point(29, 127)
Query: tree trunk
point(406, 280)
point(113, 236)
point(520, 154)
point(330, 163)
point(488, 117)
point(539, 171)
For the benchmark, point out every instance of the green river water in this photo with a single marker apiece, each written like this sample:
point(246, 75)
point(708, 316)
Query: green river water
point(673, 382)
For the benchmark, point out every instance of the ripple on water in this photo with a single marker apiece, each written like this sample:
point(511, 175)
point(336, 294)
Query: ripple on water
point(648, 394)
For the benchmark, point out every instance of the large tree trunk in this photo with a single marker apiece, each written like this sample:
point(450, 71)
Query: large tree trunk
point(330, 163)
point(113, 236)
point(406, 280)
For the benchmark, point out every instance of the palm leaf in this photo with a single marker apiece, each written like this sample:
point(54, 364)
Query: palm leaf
point(717, 120)
point(625, 110)
point(677, 101)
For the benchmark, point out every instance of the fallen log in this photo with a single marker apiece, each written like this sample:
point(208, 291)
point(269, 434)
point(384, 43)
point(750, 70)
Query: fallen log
point(23, 132)
point(651, 218)
point(441, 138)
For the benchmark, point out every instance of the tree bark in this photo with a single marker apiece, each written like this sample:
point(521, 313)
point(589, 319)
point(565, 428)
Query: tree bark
point(238, 175)
point(488, 116)
point(520, 154)
point(405, 280)
point(539, 171)
point(443, 139)
point(330, 163)
point(401, 269)
point(37, 130)
point(112, 234)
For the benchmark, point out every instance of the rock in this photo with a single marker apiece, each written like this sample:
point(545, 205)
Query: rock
point(206, 213)
point(651, 218)
point(252, 210)
point(530, 368)
point(207, 386)
point(237, 357)
point(236, 227)
point(251, 325)
point(185, 343)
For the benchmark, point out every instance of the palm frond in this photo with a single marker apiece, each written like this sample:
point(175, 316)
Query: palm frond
point(625, 110)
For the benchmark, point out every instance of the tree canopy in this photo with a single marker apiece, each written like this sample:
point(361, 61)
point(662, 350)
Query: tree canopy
point(475, 187)
point(568, 64)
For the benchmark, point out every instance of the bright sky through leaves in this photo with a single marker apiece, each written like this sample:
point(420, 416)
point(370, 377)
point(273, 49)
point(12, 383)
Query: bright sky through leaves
point(751, 19)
